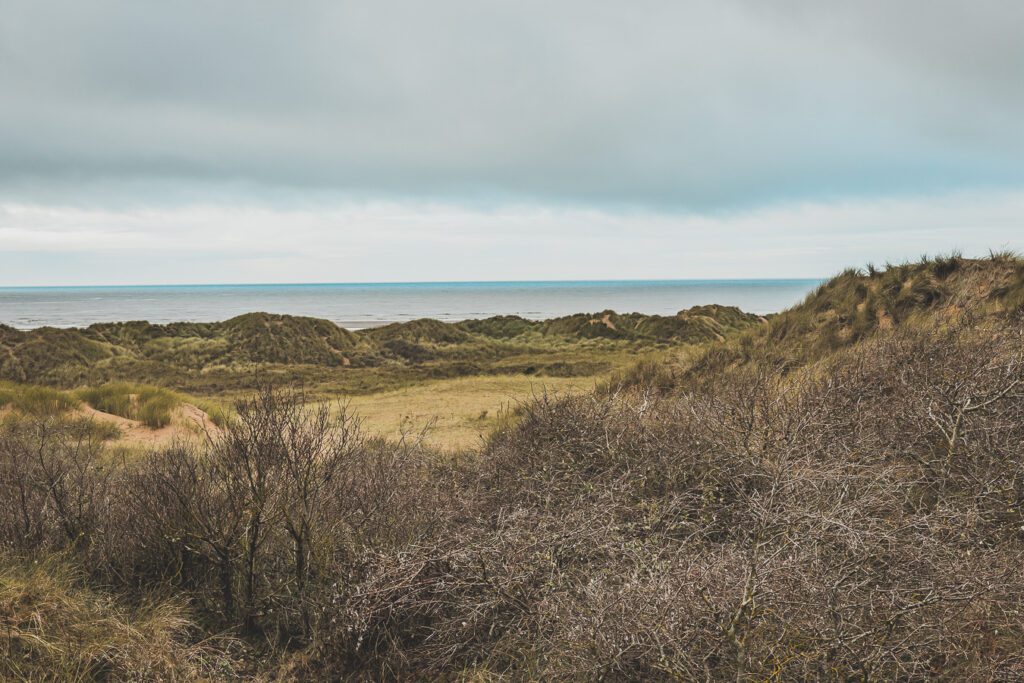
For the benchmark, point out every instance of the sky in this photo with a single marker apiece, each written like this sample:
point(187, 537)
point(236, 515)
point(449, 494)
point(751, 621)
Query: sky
point(221, 141)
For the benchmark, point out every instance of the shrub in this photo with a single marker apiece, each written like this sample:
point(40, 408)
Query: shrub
point(647, 374)
point(814, 502)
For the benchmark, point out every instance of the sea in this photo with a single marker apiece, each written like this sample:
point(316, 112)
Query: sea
point(357, 306)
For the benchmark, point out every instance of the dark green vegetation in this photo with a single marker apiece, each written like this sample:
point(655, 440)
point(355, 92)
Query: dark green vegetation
point(836, 495)
point(211, 358)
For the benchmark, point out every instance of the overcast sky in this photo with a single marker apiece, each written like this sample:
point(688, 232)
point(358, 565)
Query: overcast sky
point(402, 140)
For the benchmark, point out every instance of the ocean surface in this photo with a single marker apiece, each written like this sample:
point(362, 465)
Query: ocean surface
point(367, 305)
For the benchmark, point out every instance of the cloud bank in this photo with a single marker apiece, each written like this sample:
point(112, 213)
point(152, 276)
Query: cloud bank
point(611, 127)
point(402, 241)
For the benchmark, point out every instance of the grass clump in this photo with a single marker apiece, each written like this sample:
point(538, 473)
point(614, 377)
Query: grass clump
point(35, 400)
point(153, 406)
point(109, 398)
point(220, 414)
point(99, 430)
point(54, 629)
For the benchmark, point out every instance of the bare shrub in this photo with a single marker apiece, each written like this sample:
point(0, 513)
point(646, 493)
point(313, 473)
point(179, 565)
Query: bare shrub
point(805, 527)
point(54, 485)
point(259, 521)
point(858, 518)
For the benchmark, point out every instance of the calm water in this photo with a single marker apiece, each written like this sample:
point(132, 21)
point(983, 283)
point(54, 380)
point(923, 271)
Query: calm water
point(365, 305)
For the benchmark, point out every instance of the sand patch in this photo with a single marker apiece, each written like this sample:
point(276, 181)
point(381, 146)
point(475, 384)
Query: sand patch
point(187, 422)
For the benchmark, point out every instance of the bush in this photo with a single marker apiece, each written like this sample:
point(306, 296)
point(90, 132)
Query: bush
point(857, 517)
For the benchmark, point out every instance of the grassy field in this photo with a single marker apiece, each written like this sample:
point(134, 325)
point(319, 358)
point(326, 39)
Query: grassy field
point(458, 379)
point(456, 413)
point(455, 381)
point(451, 412)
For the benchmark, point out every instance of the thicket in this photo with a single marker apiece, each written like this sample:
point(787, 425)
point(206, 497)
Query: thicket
point(858, 518)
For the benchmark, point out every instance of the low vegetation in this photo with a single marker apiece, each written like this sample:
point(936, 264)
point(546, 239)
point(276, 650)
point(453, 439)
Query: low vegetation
point(35, 400)
point(800, 504)
point(857, 304)
point(57, 629)
point(151, 406)
point(232, 357)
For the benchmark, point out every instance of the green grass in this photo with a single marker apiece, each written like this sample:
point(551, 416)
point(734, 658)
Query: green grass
point(456, 413)
point(109, 398)
point(153, 406)
point(234, 356)
point(34, 400)
point(220, 412)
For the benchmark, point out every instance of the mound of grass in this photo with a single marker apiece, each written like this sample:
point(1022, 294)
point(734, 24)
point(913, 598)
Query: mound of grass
point(422, 330)
point(230, 356)
point(855, 305)
point(115, 399)
point(155, 408)
point(603, 325)
point(152, 406)
point(35, 400)
point(269, 338)
point(49, 355)
point(220, 413)
point(693, 326)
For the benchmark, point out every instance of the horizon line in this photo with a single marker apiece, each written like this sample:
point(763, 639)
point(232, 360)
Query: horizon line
point(406, 283)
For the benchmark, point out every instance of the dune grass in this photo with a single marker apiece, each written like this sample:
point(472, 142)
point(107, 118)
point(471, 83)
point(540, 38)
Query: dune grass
point(54, 629)
point(153, 406)
point(96, 429)
point(35, 400)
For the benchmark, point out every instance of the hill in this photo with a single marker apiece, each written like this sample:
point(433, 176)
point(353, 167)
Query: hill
point(226, 354)
point(856, 306)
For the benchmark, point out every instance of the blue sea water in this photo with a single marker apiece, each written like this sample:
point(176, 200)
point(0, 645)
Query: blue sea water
point(367, 305)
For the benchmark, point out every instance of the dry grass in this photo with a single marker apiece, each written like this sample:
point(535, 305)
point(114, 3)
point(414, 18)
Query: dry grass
point(54, 629)
point(457, 413)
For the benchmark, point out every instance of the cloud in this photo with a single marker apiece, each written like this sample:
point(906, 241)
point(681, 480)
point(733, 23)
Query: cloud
point(706, 105)
point(430, 241)
point(219, 141)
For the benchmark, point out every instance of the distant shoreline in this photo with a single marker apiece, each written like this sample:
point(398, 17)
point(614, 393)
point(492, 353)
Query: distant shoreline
point(356, 306)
